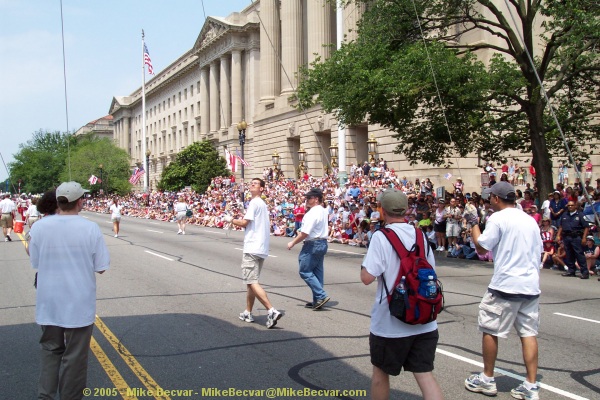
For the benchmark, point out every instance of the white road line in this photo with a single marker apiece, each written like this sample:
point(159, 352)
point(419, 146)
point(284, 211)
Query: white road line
point(572, 316)
point(237, 248)
point(150, 230)
point(347, 252)
point(510, 374)
point(158, 255)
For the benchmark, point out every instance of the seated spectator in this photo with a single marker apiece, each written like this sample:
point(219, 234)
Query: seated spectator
point(559, 257)
point(548, 254)
point(360, 239)
point(592, 254)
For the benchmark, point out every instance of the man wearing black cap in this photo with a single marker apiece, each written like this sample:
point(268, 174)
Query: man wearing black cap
point(314, 233)
point(512, 297)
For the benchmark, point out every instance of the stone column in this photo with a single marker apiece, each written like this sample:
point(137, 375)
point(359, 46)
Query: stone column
point(253, 78)
point(225, 111)
point(318, 17)
point(214, 97)
point(352, 13)
point(126, 134)
point(291, 44)
point(236, 87)
point(204, 102)
point(270, 76)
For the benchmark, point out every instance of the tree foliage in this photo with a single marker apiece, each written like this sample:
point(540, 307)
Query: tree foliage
point(40, 161)
point(414, 69)
point(86, 158)
point(195, 166)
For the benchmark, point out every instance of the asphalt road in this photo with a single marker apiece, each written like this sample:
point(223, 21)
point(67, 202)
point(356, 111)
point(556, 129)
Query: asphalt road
point(168, 321)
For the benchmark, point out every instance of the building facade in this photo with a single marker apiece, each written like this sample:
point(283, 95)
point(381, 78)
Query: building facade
point(243, 67)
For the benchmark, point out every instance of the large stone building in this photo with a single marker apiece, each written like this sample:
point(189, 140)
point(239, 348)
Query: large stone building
point(243, 67)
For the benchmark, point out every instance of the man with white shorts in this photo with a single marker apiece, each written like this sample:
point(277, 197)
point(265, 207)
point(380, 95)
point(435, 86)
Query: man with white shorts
point(256, 249)
point(512, 297)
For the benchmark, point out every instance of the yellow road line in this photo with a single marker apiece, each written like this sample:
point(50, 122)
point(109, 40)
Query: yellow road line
point(130, 360)
point(111, 371)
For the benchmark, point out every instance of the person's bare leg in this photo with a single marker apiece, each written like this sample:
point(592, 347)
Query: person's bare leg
point(489, 344)
point(380, 385)
point(529, 345)
point(259, 293)
point(429, 387)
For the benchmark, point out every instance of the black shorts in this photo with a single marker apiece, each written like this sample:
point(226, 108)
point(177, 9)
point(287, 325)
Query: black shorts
point(413, 353)
point(439, 227)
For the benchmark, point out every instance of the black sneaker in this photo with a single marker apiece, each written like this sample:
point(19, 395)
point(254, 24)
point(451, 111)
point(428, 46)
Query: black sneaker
point(308, 305)
point(8, 238)
point(320, 303)
point(568, 274)
point(584, 276)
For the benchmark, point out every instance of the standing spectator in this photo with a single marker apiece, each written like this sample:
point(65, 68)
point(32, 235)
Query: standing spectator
point(180, 210)
point(32, 214)
point(546, 206)
point(511, 173)
point(115, 209)
point(459, 186)
point(393, 344)
point(299, 212)
point(439, 225)
point(557, 207)
point(7, 206)
point(256, 249)
point(563, 174)
point(588, 170)
point(453, 217)
point(573, 231)
point(314, 233)
point(512, 297)
point(67, 251)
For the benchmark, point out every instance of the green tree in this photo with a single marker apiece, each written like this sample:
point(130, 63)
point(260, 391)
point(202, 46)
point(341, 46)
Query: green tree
point(40, 161)
point(195, 166)
point(389, 76)
point(86, 158)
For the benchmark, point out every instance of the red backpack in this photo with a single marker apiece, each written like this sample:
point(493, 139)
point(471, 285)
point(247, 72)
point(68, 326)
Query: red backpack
point(416, 305)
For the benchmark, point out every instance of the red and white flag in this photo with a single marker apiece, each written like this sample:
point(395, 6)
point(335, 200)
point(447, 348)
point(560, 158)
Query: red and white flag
point(137, 174)
point(147, 60)
point(231, 160)
point(93, 180)
point(239, 157)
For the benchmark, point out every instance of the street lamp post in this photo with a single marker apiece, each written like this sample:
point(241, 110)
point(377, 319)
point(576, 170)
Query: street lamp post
point(372, 148)
point(333, 152)
point(302, 159)
point(101, 180)
point(241, 127)
point(147, 178)
point(275, 160)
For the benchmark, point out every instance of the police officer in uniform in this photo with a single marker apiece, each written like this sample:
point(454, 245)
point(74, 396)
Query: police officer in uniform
point(573, 231)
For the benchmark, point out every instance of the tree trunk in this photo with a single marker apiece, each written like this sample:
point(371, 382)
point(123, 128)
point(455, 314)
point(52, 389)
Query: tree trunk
point(541, 158)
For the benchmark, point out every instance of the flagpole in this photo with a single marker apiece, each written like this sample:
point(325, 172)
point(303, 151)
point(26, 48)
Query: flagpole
point(144, 158)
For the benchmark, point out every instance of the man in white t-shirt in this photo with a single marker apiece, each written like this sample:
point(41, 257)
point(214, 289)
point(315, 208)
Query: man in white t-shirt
point(7, 207)
point(256, 249)
point(314, 232)
point(395, 345)
point(67, 251)
point(512, 298)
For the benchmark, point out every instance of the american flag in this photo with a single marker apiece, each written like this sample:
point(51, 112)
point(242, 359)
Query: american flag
point(448, 176)
point(94, 179)
point(147, 60)
point(239, 156)
point(137, 174)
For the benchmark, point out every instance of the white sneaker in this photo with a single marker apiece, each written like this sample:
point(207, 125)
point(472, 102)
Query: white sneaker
point(246, 317)
point(273, 318)
point(179, 232)
point(183, 232)
point(116, 235)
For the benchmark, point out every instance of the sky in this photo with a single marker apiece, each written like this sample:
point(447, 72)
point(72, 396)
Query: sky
point(102, 45)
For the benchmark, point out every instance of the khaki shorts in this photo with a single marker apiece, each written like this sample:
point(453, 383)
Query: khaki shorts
point(251, 267)
point(497, 315)
point(6, 221)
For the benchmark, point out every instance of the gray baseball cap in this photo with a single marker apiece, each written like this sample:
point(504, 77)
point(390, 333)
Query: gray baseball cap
point(502, 189)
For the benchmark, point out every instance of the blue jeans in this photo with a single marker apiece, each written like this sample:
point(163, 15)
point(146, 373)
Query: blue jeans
point(311, 259)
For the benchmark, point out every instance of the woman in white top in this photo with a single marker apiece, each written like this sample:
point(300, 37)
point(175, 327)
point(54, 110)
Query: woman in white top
point(32, 214)
point(115, 210)
point(180, 210)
